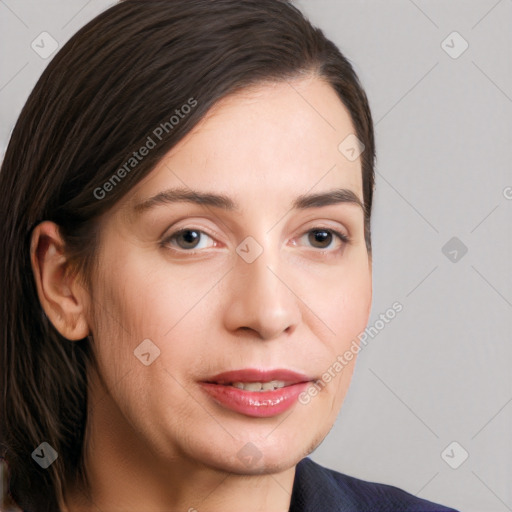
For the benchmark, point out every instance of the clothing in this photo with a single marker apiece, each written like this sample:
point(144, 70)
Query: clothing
point(319, 489)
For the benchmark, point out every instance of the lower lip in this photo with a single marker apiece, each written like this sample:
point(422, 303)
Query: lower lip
point(260, 404)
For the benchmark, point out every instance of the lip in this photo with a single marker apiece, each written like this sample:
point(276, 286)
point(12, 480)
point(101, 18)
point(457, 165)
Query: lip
point(259, 404)
point(257, 375)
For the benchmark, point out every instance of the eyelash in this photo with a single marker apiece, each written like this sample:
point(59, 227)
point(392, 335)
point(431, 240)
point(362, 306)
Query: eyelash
point(341, 236)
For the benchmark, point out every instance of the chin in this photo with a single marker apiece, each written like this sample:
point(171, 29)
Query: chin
point(273, 451)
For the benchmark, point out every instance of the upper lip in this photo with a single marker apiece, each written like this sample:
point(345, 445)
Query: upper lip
point(257, 375)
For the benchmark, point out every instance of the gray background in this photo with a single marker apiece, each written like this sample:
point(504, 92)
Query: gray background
point(440, 371)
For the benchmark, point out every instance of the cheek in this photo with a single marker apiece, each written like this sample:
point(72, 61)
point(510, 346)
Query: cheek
point(349, 310)
point(139, 298)
point(342, 301)
point(345, 310)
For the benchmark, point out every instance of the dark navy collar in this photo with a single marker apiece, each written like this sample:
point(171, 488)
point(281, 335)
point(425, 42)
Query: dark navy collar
point(313, 490)
point(320, 489)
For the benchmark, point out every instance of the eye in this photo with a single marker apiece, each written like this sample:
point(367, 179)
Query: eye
point(322, 238)
point(186, 239)
point(189, 239)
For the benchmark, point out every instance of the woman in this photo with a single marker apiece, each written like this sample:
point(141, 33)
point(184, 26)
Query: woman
point(187, 249)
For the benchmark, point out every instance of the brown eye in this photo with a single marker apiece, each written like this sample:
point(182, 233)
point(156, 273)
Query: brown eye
point(322, 238)
point(319, 238)
point(187, 239)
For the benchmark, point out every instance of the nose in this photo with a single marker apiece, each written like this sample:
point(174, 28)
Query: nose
point(261, 298)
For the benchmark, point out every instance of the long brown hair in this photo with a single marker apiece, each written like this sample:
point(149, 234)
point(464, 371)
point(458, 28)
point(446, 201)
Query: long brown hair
point(105, 92)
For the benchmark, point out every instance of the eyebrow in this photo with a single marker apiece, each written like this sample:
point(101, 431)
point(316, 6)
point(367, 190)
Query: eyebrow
point(302, 202)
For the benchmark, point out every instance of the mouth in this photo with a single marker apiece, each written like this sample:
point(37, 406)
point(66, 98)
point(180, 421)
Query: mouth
point(256, 393)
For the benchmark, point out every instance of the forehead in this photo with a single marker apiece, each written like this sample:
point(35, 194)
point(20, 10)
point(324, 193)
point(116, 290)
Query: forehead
point(272, 137)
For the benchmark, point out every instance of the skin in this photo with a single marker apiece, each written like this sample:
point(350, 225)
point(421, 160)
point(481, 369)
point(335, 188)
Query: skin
point(155, 441)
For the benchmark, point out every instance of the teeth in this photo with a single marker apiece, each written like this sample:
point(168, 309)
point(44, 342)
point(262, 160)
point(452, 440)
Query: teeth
point(259, 386)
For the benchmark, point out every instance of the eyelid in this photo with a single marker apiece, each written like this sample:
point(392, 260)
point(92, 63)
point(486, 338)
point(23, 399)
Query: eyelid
point(343, 233)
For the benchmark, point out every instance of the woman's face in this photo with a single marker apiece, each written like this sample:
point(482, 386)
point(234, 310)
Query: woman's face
point(253, 286)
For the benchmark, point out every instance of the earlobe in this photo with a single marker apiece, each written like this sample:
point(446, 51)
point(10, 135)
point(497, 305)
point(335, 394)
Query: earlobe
point(60, 294)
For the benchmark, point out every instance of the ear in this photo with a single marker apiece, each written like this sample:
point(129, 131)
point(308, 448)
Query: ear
point(62, 297)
